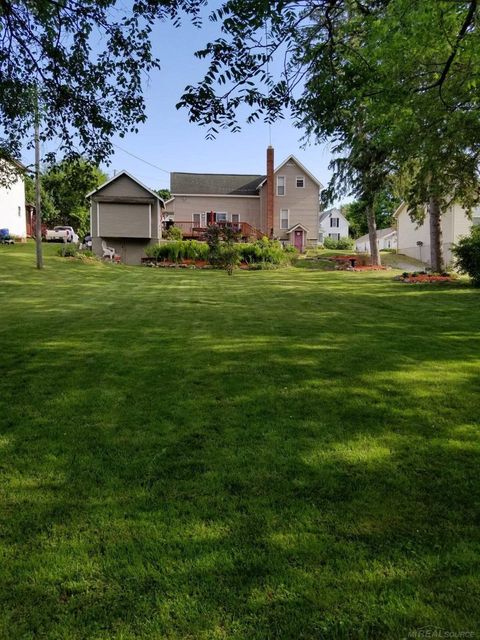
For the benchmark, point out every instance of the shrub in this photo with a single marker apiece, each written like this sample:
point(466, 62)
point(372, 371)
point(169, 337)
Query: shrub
point(174, 233)
point(227, 257)
point(467, 255)
point(178, 250)
point(67, 251)
point(267, 252)
point(341, 244)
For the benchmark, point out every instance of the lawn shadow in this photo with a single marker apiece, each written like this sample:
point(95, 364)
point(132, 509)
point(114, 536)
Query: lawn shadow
point(300, 467)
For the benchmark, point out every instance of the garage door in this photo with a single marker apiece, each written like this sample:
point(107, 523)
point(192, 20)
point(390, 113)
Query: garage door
point(124, 220)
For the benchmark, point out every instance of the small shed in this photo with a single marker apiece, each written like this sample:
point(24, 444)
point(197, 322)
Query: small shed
point(127, 216)
point(386, 239)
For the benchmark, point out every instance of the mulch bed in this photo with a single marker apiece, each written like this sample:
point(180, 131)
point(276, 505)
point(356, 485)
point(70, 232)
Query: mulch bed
point(424, 278)
point(354, 262)
point(185, 264)
point(369, 267)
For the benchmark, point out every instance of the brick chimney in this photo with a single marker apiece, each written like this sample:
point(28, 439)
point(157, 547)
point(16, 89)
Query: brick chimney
point(270, 191)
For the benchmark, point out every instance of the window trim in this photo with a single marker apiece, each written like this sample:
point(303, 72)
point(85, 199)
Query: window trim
point(335, 226)
point(302, 178)
point(222, 213)
point(281, 195)
point(287, 218)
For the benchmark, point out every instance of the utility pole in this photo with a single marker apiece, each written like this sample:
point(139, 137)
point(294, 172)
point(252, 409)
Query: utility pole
point(38, 199)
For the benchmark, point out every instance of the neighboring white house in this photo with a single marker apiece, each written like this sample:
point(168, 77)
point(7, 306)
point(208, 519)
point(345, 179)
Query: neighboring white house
point(386, 239)
point(12, 207)
point(413, 239)
point(332, 224)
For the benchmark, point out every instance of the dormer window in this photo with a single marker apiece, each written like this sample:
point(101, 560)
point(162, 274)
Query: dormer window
point(300, 182)
point(280, 185)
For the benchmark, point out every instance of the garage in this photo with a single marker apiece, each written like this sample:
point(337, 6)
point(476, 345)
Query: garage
point(126, 216)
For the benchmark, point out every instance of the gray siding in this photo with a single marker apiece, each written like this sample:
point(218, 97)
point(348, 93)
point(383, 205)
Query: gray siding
point(119, 220)
point(248, 208)
point(130, 251)
point(301, 202)
point(127, 217)
point(122, 187)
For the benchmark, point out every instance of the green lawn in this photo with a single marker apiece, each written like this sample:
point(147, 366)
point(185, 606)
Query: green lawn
point(287, 454)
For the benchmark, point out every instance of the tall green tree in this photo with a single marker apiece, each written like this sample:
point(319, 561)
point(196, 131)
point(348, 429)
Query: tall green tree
point(427, 104)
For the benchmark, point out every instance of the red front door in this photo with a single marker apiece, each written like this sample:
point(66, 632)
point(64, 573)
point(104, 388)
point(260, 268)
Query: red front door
point(298, 239)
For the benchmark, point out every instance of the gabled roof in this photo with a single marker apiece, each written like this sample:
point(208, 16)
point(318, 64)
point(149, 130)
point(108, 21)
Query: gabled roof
point(119, 175)
point(398, 209)
point(325, 214)
point(300, 166)
point(299, 225)
point(215, 184)
point(381, 233)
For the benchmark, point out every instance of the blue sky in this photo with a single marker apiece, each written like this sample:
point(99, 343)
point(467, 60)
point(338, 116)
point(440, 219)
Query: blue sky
point(169, 141)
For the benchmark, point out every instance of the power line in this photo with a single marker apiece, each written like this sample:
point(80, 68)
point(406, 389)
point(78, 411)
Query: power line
point(141, 159)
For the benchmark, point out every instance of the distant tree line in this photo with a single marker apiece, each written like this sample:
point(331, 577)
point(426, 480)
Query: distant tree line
point(64, 186)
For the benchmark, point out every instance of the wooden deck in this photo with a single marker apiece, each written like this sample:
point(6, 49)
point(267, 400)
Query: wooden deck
point(246, 231)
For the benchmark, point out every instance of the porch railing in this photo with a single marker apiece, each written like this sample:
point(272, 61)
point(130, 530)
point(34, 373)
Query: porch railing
point(191, 230)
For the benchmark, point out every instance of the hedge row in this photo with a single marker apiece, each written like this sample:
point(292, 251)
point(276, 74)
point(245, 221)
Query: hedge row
point(263, 251)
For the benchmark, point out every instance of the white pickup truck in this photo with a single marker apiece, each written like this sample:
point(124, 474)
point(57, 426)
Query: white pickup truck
point(61, 234)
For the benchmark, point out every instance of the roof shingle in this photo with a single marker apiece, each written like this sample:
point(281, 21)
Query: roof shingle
point(215, 184)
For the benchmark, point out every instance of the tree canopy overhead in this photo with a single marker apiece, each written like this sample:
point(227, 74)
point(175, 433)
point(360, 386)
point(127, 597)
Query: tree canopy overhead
point(85, 63)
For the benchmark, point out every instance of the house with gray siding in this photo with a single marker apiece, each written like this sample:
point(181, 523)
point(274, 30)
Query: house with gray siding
point(126, 216)
point(283, 203)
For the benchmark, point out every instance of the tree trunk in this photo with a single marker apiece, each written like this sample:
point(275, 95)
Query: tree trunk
point(38, 203)
point(436, 240)
point(372, 234)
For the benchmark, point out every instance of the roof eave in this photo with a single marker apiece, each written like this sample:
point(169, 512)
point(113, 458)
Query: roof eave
point(129, 175)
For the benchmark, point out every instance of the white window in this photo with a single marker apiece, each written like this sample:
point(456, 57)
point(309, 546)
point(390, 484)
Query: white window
point(334, 236)
point(300, 182)
point(284, 218)
point(280, 185)
point(235, 218)
point(197, 219)
point(220, 216)
point(334, 222)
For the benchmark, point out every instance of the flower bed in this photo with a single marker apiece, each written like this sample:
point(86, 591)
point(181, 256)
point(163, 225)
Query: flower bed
point(182, 264)
point(185, 264)
point(369, 267)
point(422, 277)
point(354, 262)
